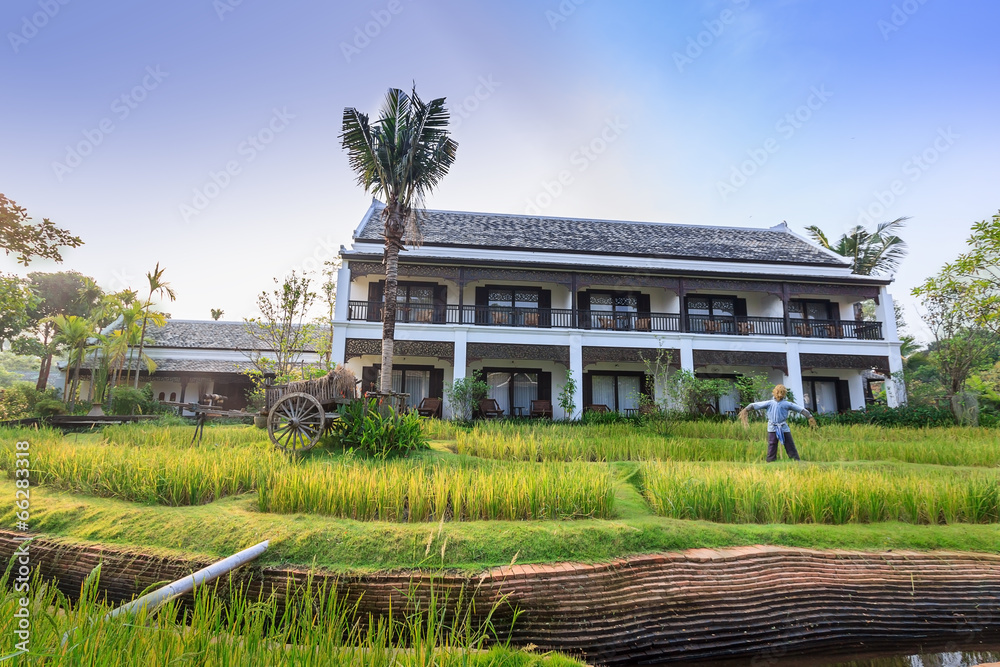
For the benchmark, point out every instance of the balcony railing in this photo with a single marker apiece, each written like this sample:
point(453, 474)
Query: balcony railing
point(564, 318)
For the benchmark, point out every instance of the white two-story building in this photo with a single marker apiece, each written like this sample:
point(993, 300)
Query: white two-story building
point(522, 300)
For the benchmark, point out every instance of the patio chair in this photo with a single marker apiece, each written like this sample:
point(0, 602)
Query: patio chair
point(490, 409)
point(541, 409)
point(430, 407)
point(597, 407)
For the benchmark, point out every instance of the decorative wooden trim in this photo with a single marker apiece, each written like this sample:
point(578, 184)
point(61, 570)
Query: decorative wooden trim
point(740, 358)
point(862, 291)
point(359, 347)
point(363, 269)
point(498, 274)
point(624, 281)
point(480, 351)
point(858, 362)
point(626, 355)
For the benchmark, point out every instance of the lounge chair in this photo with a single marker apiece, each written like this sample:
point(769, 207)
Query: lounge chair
point(490, 409)
point(541, 409)
point(430, 407)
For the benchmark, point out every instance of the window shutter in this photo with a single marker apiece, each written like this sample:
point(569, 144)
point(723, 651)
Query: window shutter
point(440, 304)
point(544, 386)
point(369, 379)
point(482, 301)
point(375, 293)
point(588, 389)
point(436, 389)
point(583, 310)
point(545, 305)
point(643, 305)
point(741, 308)
point(843, 396)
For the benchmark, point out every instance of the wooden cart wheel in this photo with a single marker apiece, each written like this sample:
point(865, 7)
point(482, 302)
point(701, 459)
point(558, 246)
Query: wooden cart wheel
point(296, 422)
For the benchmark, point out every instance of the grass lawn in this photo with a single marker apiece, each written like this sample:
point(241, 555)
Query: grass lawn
point(537, 492)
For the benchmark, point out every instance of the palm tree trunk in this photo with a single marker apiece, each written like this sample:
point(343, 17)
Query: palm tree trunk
point(43, 371)
point(389, 313)
point(76, 379)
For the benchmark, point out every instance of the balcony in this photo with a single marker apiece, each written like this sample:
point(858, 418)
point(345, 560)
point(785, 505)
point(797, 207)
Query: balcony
point(564, 318)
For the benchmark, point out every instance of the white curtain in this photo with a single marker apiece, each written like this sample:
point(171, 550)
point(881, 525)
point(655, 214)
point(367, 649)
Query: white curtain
point(498, 389)
point(603, 390)
point(628, 393)
point(397, 381)
point(418, 385)
point(826, 397)
point(525, 390)
point(730, 402)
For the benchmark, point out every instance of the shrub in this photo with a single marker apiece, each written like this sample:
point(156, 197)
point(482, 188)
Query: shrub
point(128, 401)
point(21, 401)
point(463, 396)
point(911, 416)
point(381, 432)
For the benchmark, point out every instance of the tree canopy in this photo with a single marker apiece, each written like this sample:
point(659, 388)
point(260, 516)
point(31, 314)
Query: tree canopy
point(871, 253)
point(30, 241)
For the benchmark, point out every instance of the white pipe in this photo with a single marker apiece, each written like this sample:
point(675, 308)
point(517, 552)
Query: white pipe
point(187, 584)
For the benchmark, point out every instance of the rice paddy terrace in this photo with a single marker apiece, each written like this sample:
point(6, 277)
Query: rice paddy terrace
point(617, 544)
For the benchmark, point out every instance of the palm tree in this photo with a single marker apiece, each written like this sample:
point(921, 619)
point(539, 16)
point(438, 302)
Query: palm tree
point(217, 313)
point(400, 157)
point(156, 286)
point(74, 332)
point(871, 253)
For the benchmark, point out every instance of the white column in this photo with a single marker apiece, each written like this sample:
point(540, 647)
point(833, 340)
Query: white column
point(340, 309)
point(459, 364)
point(885, 313)
point(793, 379)
point(686, 344)
point(576, 367)
point(895, 389)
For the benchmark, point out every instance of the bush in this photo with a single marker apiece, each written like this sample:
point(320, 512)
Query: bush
point(128, 401)
point(464, 396)
point(381, 432)
point(910, 416)
point(22, 401)
point(591, 417)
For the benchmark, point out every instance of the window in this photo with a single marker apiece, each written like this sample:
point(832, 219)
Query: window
point(825, 395)
point(412, 381)
point(620, 392)
point(513, 306)
point(713, 314)
point(415, 302)
point(160, 396)
point(173, 396)
point(813, 318)
point(513, 391)
point(419, 382)
point(809, 310)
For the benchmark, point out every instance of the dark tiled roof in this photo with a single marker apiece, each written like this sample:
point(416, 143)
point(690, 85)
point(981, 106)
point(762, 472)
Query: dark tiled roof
point(205, 335)
point(185, 365)
point(515, 232)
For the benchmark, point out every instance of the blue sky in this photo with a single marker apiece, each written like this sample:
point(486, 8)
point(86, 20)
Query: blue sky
point(203, 133)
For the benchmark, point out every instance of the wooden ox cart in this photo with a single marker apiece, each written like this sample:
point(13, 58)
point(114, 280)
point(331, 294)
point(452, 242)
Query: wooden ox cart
point(299, 413)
